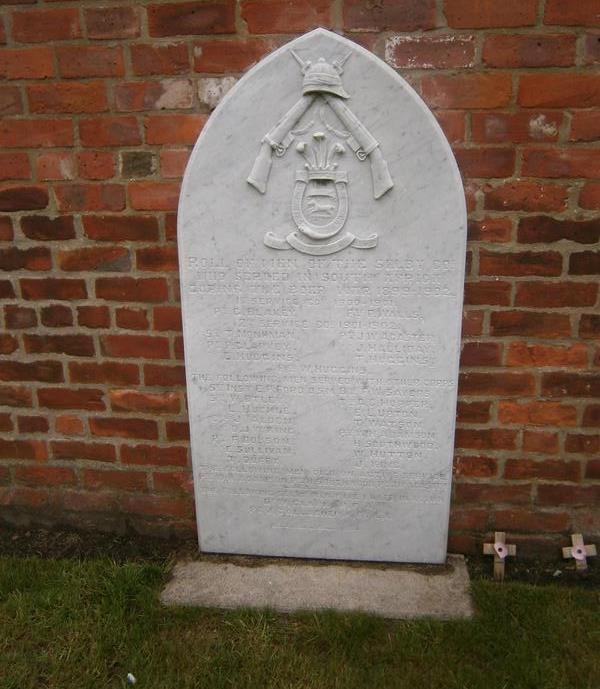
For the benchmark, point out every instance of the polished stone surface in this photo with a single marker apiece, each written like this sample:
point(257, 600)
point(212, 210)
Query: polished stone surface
point(393, 592)
point(322, 245)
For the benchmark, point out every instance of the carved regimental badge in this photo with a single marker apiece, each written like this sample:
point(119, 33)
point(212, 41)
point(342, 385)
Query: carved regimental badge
point(320, 202)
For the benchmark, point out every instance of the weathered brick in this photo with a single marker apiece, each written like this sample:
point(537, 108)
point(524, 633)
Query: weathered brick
point(584, 263)
point(27, 63)
point(57, 316)
point(529, 50)
point(173, 129)
point(496, 384)
point(93, 316)
point(157, 259)
point(64, 398)
point(523, 195)
point(110, 372)
point(43, 228)
point(44, 371)
point(22, 198)
point(481, 354)
point(169, 58)
point(103, 258)
point(591, 416)
point(90, 197)
point(485, 14)
point(135, 346)
point(154, 455)
point(393, 15)
point(55, 165)
point(484, 493)
point(15, 396)
point(34, 133)
point(473, 412)
point(45, 476)
point(445, 51)
point(556, 295)
point(74, 449)
point(537, 413)
point(14, 165)
point(72, 345)
point(485, 162)
point(132, 289)
point(173, 161)
point(528, 520)
point(559, 90)
point(191, 18)
point(96, 164)
point(35, 259)
point(585, 125)
point(164, 376)
point(149, 402)
point(111, 130)
point(32, 424)
point(41, 25)
point(559, 494)
point(490, 292)
point(589, 325)
point(580, 13)
point(226, 56)
point(79, 61)
point(132, 319)
point(114, 427)
point(166, 94)
point(99, 479)
point(484, 90)
point(8, 343)
point(563, 162)
point(23, 449)
point(530, 324)
point(112, 22)
point(154, 196)
point(115, 228)
point(167, 318)
point(537, 355)
point(541, 228)
point(67, 424)
point(543, 442)
point(561, 384)
point(64, 289)
point(73, 97)
point(177, 430)
point(19, 317)
point(522, 263)
point(490, 230)
point(582, 444)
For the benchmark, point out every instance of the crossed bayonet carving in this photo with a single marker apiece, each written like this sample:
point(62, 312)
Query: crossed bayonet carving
point(320, 198)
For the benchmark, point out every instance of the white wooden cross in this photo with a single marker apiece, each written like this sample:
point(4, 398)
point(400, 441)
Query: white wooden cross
point(579, 551)
point(500, 551)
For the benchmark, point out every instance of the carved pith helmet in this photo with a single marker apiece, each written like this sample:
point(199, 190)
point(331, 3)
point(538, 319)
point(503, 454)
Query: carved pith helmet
point(323, 77)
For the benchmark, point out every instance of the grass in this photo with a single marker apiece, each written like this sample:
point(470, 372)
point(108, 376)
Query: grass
point(83, 624)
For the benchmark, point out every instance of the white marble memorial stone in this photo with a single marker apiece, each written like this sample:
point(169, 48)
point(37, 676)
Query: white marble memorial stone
point(322, 242)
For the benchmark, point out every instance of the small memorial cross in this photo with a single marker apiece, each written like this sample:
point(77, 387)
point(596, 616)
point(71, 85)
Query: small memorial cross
point(579, 551)
point(500, 550)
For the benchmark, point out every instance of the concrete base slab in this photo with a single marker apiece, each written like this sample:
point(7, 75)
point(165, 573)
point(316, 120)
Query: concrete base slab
point(394, 591)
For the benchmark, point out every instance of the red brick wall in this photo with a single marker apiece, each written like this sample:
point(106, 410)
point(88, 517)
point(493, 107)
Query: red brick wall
point(100, 105)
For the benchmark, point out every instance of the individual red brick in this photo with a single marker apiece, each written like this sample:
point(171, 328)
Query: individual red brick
point(522, 195)
point(8, 343)
point(164, 376)
point(225, 56)
point(518, 127)
point(592, 470)
point(453, 124)
point(45, 476)
point(114, 480)
point(538, 356)
point(560, 384)
point(529, 50)
point(2, 31)
point(485, 14)
point(113, 228)
point(531, 521)
point(173, 129)
point(490, 230)
point(475, 467)
point(485, 162)
point(112, 22)
point(170, 58)
point(32, 424)
point(591, 416)
point(67, 97)
point(171, 227)
point(556, 295)
point(134, 346)
point(6, 229)
point(473, 412)
point(559, 90)
point(6, 290)
point(93, 316)
point(571, 162)
point(590, 196)
point(530, 324)
point(69, 425)
point(589, 325)
point(445, 51)
point(15, 396)
point(173, 482)
point(152, 455)
point(96, 164)
point(23, 449)
point(491, 384)
point(109, 258)
point(157, 259)
point(585, 263)
point(87, 502)
point(90, 197)
point(154, 196)
point(582, 444)
point(104, 372)
point(177, 430)
point(111, 130)
point(132, 319)
point(132, 289)
point(78, 62)
point(173, 161)
point(484, 493)
point(580, 13)
point(167, 318)
point(41, 25)
point(543, 442)
point(43, 228)
point(585, 126)
point(30, 133)
point(22, 198)
point(57, 316)
point(63, 398)
point(469, 519)
point(191, 18)
point(43, 371)
point(10, 101)
point(149, 402)
point(541, 228)
point(178, 348)
point(14, 165)
point(592, 48)
point(35, 259)
point(537, 413)
point(472, 323)
point(53, 288)
point(114, 427)
point(394, 15)
point(522, 263)
point(568, 495)
point(72, 345)
point(157, 506)
point(481, 354)
point(482, 90)
point(55, 165)
point(18, 317)
point(26, 63)
point(74, 449)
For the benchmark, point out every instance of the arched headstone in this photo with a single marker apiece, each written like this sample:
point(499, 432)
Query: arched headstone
point(321, 240)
